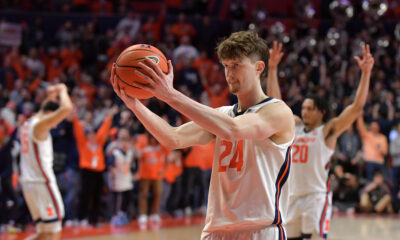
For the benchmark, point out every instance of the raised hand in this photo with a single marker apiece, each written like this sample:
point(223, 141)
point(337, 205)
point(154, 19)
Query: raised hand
point(367, 61)
point(275, 55)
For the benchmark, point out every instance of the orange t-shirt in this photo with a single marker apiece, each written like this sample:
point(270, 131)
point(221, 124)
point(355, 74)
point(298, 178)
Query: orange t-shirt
point(372, 145)
point(183, 29)
point(218, 100)
point(91, 157)
point(152, 162)
point(172, 171)
point(207, 162)
point(199, 155)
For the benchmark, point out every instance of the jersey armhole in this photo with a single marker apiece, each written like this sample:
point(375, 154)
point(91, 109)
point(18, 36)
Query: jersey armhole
point(31, 132)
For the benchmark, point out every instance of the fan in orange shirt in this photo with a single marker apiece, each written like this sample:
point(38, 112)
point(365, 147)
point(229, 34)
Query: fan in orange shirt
point(172, 181)
point(151, 172)
point(182, 28)
point(193, 175)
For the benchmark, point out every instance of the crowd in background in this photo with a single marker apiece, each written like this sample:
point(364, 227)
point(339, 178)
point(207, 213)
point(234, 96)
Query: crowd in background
point(105, 185)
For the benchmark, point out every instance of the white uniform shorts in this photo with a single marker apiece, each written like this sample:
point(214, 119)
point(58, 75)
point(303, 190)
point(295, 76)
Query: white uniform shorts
point(273, 232)
point(309, 216)
point(45, 205)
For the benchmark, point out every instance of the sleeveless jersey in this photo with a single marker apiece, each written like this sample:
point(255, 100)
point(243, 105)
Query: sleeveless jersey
point(36, 156)
point(247, 188)
point(310, 159)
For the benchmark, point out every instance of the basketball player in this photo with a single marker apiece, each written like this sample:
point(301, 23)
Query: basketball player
point(248, 195)
point(310, 197)
point(38, 181)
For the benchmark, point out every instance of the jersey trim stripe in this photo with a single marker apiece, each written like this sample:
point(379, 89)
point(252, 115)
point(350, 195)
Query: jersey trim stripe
point(280, 181)
point(35, 147)
point(322, 220)
point(282, 235)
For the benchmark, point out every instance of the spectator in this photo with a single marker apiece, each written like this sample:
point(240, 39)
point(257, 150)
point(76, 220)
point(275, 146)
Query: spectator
point(151, 172)
point(171, 194)
point(375, 147)
point(9, 198)
point(182, 28)
point(375, 196)
point(130, 25)
point(395, 153)
point(349, 144)
point(345, 190)
point(92, 164)
point(121, 153)
point(185, 52)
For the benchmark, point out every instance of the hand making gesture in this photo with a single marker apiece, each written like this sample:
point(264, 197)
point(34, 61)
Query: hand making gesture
point(275, 55)
point(367, 61)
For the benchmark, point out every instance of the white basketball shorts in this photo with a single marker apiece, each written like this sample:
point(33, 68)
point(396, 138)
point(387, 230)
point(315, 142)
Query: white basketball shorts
point(45, 205)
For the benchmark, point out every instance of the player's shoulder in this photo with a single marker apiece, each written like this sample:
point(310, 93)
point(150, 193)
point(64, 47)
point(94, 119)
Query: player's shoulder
point(276, 107)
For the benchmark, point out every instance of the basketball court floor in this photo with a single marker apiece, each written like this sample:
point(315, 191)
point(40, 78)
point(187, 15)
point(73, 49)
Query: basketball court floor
point(365, 227)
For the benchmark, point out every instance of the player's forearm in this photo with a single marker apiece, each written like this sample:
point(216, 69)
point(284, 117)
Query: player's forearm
point(157, 126)
point(362, 91)
point(65, 101)
point(208, 118)
point(273, 84)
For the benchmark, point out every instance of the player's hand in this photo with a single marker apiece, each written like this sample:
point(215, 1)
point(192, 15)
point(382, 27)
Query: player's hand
point(129, 101)
point(367, 61)
point(159, 83)
point(275, 55)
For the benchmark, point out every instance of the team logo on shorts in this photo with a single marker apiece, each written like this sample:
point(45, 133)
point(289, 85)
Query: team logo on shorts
point(50, 211)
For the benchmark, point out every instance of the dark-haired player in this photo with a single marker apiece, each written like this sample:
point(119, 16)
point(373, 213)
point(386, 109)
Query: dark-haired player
point(38, 181)
point(315, 139)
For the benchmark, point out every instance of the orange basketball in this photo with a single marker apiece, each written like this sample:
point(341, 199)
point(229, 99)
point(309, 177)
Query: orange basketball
point(128, 61)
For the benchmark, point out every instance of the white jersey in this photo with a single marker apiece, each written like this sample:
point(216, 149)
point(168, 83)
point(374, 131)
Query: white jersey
point(36, 156)
point(121, 177)
point(311, 158)
point(247, 189)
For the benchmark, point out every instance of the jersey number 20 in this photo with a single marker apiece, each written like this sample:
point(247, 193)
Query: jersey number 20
point(236, 161)
point(300, 153)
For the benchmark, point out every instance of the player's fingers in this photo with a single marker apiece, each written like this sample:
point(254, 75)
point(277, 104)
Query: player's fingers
point(280, 47)
point(150, 81)
point(358, 60)
point(142, 85)
point(112, 76)
point(117, 88)
point(274, 45)
point(153, 66)
point(149, 73)
point(364, 50)
point(170, 68)
point(368, 49)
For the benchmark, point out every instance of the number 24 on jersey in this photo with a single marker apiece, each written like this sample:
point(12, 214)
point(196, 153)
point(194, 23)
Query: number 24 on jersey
point(236, 161)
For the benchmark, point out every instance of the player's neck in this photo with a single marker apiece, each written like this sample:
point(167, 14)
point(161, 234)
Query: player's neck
point(250, 99)
point(310, 127)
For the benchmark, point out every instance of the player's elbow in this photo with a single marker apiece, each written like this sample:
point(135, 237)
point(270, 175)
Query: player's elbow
point(67, 109)
point(357, 108)
point(231, 133)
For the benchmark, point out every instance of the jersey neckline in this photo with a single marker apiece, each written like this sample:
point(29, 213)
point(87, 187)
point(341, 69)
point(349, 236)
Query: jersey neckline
point(235, 107)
